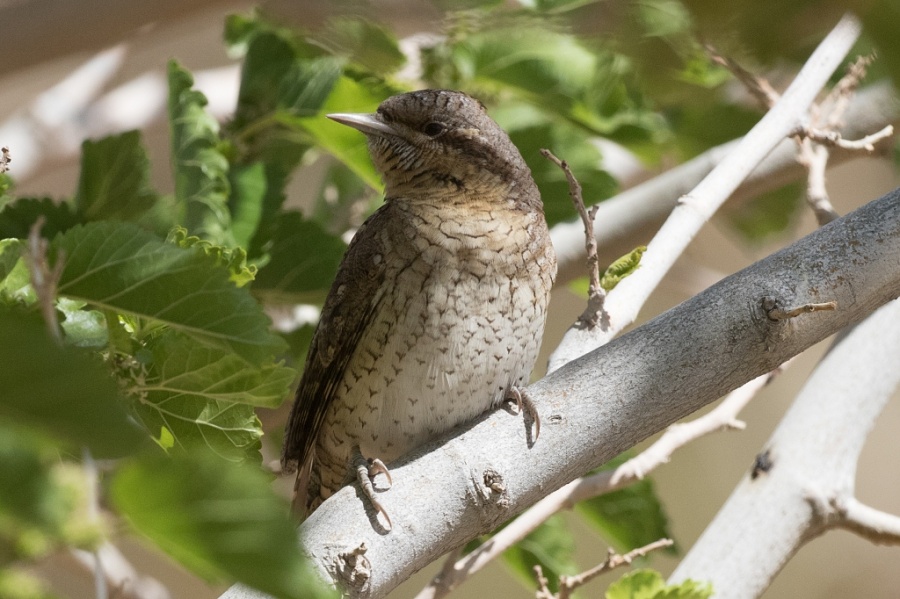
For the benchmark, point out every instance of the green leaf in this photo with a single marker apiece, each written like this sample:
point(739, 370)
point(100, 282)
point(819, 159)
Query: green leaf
point(115, 178)
point(200, 168)
point(183, 369)
point(10, 253)
point(248, 193)
point(562, 76)
point(551, 546)
point(879, 22)
point(627, 518)
point(220, 520)
point(82, 327)
point(233, 259)
point(622, 267)
point(364, 43)
point(121, 267)
point(649, 584)
point(15, 287)
point(304, 261)
point(19, 583)
point(61, 391)
point(16, 218)
point(277, 76)
point(198, 397)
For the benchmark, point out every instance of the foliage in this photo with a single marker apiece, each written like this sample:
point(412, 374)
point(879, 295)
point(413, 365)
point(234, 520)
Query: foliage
point(164, 352)
point(648, 584)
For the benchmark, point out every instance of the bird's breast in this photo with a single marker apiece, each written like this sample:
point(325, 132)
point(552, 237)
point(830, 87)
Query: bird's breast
point(458, 323)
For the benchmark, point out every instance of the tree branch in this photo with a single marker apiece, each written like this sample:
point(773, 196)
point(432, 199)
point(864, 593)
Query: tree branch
point(877, 526)
point(806, 486)
point(457, 570)
point(607, 401)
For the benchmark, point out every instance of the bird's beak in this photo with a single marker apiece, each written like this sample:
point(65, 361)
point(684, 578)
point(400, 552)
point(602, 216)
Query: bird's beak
point(367, 123)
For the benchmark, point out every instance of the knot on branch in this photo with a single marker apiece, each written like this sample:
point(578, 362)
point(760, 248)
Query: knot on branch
point(353, 569)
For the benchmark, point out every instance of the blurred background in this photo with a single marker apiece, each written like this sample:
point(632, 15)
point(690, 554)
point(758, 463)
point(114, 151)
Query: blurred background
point(86, 69)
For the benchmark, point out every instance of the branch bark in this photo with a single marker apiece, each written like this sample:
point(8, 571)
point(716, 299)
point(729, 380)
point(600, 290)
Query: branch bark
point(607, 401)
point(807, 485)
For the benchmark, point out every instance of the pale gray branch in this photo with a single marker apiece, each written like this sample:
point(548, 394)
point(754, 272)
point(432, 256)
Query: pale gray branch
point(877, 526)
point(810, 465)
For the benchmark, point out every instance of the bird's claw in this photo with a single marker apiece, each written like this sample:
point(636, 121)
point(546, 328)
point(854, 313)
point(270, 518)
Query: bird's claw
point(366, 471)
point(525, 406)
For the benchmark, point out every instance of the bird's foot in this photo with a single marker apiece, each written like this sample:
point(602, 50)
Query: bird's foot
point(526, 407)
point(366, 471)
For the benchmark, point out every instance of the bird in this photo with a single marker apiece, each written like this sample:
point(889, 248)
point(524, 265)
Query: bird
point(437, 310)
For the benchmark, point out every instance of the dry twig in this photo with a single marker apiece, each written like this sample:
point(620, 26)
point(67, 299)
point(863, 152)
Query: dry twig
point(759, 87)
point(568, 584)
point(593, 314)
point(779, 313)
point(822, 131)
point(44, 279)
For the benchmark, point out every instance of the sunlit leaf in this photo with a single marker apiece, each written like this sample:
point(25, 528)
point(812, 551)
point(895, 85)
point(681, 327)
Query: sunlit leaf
point(622, 267)
point(10, 253)
point(183, 369)
point(115, 178)
point(201, 170)
point(345, 143)
point(649, 584)
point(123, 268)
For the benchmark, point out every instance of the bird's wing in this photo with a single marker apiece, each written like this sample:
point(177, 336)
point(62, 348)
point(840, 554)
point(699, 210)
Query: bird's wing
point(348, 311)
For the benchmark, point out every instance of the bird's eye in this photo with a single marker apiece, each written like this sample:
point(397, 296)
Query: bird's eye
point(433, 129)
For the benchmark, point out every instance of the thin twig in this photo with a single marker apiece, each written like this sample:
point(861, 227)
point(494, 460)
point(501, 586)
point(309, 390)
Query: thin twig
point(759, 87)
point(44, 279)
point(778, 313)
point(833, 139)
point(838, 99)
point(101, 591)
point(813, 142)
point(593, 313)
point(121, 575)
point(543, 590)
point(568, 584)
point(875, 525)
point(815, 158)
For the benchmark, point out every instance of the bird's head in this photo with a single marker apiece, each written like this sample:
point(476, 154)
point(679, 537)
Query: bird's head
point(430, 141)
